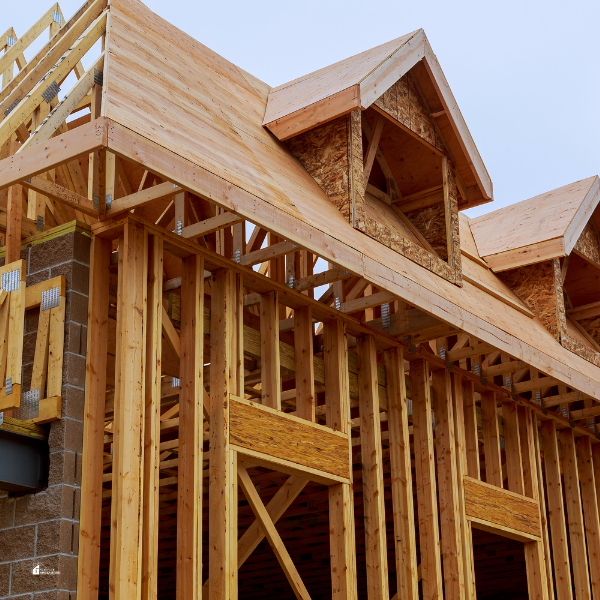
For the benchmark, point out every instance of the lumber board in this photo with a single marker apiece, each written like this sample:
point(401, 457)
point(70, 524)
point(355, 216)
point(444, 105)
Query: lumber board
point(512, 515)
point(292, 439)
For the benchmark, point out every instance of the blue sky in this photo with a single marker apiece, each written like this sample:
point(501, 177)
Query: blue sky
point(525, 74)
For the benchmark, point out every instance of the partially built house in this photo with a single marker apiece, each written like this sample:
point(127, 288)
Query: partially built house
point(251, 347)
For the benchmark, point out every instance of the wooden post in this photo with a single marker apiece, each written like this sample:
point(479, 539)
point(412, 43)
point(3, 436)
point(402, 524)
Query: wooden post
point(402, 492)
point(269, 350)
point(554, 494)
point(471, 438)
point(305, 373)
point(454, 580)
point(152, 419)
point(535, 558)
point(128, 473)
point(191, 432)
point(372, 470)
point(512, 447)
point(341, 498)
point(96, 164)
point(223, 461)
point(429, 535)
point(88, 564)
point(458, 387)
point(574, 514)
point(590, 510)
point(491, 439)
point(14, 211)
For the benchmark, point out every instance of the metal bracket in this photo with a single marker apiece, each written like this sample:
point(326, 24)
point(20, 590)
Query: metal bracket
point(96, 199)
point(514, 396)
point(10, 281)
point(572, 424)
point(237, 257)
point(291, 281)
point(29, 407)
point(544, 410)
point(386, 319)
point(50, 92)
point(50, 298)
point(98, 77)
point(12, 107)
point(10, 41)
point(8, 386)
point(176, 382)
point(179, 228)
point(411, 347)
point(40, 223)
point(57, 17)
point(108, 202)
point(337, 303)
point(1, 418)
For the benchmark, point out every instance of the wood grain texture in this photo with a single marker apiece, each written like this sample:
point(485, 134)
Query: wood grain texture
point(511, 512)
point(258, 429)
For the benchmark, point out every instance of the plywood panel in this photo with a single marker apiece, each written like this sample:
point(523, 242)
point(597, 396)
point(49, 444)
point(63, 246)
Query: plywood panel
point(510, 512)
point(287, 438)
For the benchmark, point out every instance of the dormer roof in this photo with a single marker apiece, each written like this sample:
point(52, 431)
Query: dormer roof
point(543, 227)
point(358, 81)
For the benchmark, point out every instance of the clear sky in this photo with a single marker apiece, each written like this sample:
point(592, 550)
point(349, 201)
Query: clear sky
point(526, 74)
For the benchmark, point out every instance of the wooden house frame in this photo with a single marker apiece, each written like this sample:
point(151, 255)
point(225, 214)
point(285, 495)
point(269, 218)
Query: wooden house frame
point(223, 392)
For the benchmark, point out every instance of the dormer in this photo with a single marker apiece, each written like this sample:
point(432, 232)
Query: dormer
point(383, 137)
point(547, 250)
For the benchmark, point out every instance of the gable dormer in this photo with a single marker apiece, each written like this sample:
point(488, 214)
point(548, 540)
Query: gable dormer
point(547, 250)
point(382, 135)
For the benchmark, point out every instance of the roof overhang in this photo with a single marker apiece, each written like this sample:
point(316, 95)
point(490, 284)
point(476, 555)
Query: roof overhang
point(285, 120)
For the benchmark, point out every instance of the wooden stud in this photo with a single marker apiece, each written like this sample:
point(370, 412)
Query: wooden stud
point(40, 359)
point(152, 420)
point(14, 212)
point(222, 478)
point(341, 498)
point(129, 417)
point(574, 515)
point(429, 537)
point(88, 564)
point(491, 439)
point(400, 464)
point(458, 386)
point(471, 437)
point(589, 500)
point(56, 345)
point(305, 376)
point(269, 350)
point(554, 496)
point(372, 470)
point(189, 481)
point(454, 578)
point(536, 559)
point(512, 447)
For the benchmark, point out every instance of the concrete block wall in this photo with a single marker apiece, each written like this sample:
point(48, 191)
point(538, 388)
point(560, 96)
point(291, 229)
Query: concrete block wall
point(43, 529)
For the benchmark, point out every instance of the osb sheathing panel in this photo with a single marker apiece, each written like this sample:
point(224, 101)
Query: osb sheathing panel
point(404, 103)
point(534, 285)
point(588, 244)
point(324, 153)
point(561, 314)
point(431, 222)
point(333, 155)
point(581, 350)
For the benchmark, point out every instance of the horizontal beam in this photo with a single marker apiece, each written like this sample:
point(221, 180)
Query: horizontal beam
point(226, 219)
point(313, 281)
point(587, 311)
point(87, 138)
point(157, 192)
point(365, 302)
point(534, 384)
point(469, 351)
point(268, 253)
point(61, 194)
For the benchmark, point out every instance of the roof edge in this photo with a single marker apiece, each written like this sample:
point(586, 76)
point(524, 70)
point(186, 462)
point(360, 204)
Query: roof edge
point(582, 216)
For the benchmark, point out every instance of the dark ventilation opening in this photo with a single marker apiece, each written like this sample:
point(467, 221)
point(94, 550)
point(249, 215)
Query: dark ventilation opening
point(500, 571)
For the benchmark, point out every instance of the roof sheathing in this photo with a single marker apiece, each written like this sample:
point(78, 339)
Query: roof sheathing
point(192, 117)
